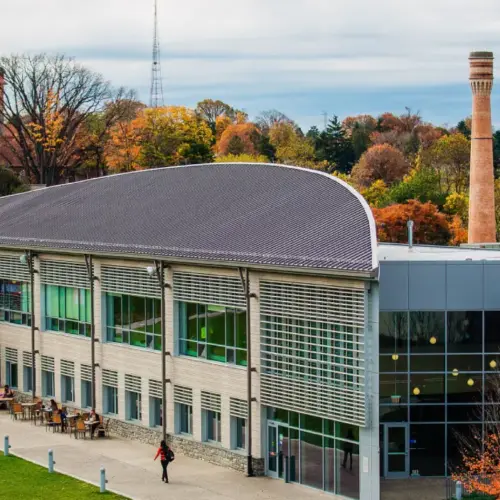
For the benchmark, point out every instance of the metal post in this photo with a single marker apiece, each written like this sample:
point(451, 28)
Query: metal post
point(6, 446)
point(103, 480)
point(51, 461)
point(161, 276)
point(458, 490)
point(245, 281)
point(90, 271)
point(32, 305)
point(410, 234)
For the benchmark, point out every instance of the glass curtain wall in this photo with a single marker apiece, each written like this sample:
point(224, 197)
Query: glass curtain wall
point(15, 302)
point(67, 310)
point(133, 320)
point(436, 371)
point(212, 332)
point(319, 453)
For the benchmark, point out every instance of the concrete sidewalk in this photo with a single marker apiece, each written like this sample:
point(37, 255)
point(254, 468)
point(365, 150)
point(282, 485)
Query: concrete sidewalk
point(130, 469)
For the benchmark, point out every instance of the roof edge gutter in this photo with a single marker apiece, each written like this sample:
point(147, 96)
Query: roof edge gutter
point(363, 275)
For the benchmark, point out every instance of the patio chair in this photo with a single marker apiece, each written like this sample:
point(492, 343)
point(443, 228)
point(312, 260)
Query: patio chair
point(71, 426)
point(81, 428)
point(17, 411)
point(103, 429)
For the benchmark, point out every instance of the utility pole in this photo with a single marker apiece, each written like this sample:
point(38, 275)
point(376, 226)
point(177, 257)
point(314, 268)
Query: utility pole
point(325, 117)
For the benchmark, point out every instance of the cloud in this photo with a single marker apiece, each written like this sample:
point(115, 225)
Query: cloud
point(259, 48)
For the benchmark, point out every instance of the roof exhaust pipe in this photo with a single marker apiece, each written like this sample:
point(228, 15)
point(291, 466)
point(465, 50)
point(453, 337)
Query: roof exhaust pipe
point(410, 234)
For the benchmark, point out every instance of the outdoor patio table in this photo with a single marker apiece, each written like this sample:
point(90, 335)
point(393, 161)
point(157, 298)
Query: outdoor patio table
point(7, 401)
point(29, 408)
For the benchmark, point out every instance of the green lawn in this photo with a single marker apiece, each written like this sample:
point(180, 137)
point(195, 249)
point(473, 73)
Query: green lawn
point(21, 480)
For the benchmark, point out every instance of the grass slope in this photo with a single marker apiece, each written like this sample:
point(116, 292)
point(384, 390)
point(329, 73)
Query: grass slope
point(22, 480)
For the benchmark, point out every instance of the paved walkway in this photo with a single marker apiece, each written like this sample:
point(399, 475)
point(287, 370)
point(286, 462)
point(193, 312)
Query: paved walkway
point(131, 471)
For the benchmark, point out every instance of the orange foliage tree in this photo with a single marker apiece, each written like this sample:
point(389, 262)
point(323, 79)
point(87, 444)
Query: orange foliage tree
point(430, 225)
point(382, 162)
point(239, 138)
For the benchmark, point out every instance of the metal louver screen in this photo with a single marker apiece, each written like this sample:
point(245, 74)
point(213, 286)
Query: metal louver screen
point(110, 378)
point(312, 350)
point(12, 268)
point(133, 383)
point(183, 395)
point(27, 359)
point(67, 368)
point(47, 364)
point(129, 280)
point(155, 389)
point(206, 289)
point(86, 373)
point(238, 408)
point(210, 401)
point(61, 273)
point(11, 355)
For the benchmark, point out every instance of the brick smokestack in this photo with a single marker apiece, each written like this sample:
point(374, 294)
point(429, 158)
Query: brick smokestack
point(482, 227)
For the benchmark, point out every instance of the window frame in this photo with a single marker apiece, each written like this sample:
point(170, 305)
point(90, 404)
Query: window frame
point(46, 377)
point(106, 389)
point(24, 299)
point(64, 389)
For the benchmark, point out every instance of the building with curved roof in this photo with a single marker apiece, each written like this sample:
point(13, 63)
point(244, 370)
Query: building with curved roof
point(226, 305)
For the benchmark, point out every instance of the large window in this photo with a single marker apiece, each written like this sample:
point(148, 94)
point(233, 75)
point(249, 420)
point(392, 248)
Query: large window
point(155, 412)
point(110, 400)
point(67, 310)
point(86, 394)
point(15, 302)
point(48, 386)
point(133, 320)
point(212, 426)
point(67, 389)
point(27, 379)
point(184, 415)
point(238, 429)
point(212, 332)
point(11, 374)
point(134, 405)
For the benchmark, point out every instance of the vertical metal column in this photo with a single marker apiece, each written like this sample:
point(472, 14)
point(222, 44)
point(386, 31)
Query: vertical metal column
point(90, 271)
point(161, 277)
point(33, 329)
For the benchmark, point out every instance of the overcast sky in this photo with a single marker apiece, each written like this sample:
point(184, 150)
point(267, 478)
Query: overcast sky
point(303, 57)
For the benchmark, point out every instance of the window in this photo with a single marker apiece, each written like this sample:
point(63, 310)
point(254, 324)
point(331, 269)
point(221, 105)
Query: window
point(27, 379)
point(67, 389)
point(212, 425)
point(133, 408)
point(110, 403)
point(132, 320)
point(67, 310)
point(184, 414)
point(48, 384)
point(238, 428)
point(465, 331)
point(86, 394)
point(15, 302)
point(155, 412)
point(11, 374)
point(212, 332)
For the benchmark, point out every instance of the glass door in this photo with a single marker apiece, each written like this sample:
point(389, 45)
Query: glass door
point(272, 449)
point(396, 459)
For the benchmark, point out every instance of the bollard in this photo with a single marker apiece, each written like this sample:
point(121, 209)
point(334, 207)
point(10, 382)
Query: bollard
point(103, 480)
point(6, 446)
point(458, 490)
point(51, 461)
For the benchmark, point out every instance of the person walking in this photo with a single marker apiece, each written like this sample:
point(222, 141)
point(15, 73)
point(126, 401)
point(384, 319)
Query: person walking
point(348, 449)
point(166, 456)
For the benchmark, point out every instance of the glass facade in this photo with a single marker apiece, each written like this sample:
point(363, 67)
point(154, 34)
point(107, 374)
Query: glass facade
point(212, 332)
point(436, 369)
point(15, 302)
point(67, 310)
point(133, 320)
point(313, 451)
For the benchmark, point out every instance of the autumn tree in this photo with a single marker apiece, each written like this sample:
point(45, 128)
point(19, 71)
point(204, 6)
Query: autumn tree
point(10, 182)
point(450, 156)
point(380, 162)
point(239, 138)
point(211, 111)
point(268, 119)
point(292, 147)
point(377, 195)
point(430, 225)
point(47, 99)
point(122, 150)
point(241, 158)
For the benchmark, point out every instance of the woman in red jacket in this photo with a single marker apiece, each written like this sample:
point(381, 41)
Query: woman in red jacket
point(166, 456)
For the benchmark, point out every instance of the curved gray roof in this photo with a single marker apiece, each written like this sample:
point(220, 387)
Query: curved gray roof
point(245, 213)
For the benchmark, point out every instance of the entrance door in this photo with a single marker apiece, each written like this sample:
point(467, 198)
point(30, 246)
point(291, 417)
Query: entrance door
point(396, 443)
point(277, 450)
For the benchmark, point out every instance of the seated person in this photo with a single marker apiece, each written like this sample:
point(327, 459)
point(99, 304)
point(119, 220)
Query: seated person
point(7, 392)
point(94, 418)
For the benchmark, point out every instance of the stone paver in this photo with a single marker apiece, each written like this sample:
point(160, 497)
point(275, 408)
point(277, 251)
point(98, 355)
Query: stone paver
point(131, 471)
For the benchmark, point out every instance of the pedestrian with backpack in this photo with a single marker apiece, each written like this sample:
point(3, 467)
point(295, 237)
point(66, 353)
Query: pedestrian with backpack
point(166, 456)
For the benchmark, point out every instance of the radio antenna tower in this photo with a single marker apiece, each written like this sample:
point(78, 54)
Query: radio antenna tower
point(156, 97)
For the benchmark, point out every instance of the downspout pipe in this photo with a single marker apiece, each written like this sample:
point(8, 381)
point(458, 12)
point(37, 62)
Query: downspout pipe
point(245, 282)
point(31, 267)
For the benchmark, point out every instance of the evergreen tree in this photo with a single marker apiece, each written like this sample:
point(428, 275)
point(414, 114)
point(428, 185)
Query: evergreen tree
point(335, 147)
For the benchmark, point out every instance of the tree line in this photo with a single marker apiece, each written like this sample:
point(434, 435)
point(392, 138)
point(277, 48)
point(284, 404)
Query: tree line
point(62, 122)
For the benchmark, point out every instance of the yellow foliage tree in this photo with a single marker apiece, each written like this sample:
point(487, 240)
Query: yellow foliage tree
point(241, 158)
point(291, 147)
point(377, 195)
